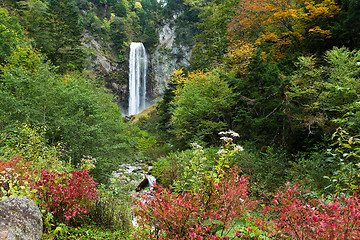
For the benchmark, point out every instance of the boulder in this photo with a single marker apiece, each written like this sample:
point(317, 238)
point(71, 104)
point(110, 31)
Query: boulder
point(143, 184)
point(20, 219)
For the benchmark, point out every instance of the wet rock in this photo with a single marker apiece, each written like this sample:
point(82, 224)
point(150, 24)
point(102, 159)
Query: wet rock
point(143, 184)
point(20, 219)
point(127, 118)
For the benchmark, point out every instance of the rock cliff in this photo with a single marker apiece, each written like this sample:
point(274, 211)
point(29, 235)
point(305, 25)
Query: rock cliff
point(168, 55)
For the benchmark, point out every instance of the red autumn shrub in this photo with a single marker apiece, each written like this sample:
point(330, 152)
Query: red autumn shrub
point(66, 195)
point(209, 214)
point(301, 218)
point(14, 168)
point(13, 171)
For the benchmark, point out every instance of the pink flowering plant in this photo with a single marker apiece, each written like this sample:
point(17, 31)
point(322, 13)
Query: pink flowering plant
point(301, 218)
point(207, 214)
point(66, 195)
point(214, 204)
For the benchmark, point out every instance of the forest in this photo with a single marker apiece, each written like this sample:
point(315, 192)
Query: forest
point(257, 139)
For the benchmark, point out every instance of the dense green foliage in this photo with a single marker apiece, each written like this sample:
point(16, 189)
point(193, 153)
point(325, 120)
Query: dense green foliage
point(276, 98)
point(72, 110)
point(200, 108)
point(11, 33)
point(283, 74)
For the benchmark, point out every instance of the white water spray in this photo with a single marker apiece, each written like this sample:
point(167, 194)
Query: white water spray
point(137, 78)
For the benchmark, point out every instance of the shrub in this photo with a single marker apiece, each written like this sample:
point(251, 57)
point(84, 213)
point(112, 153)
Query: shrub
point(301, 218)
point(210, 213)
point(66, 195)
point(346, 179)
point(267, 170)
point(13, 176)
point(28, 141)
point(311, 167)
point(176, 166)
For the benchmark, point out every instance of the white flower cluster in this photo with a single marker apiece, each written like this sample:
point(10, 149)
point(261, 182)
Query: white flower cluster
point(197, 147)
point(228, 136)
point(221, 152)
point(226, 139)
point(6, 175)
point(229, 133)
point(238, 148)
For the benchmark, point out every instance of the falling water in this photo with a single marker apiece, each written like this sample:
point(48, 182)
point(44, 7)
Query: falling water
point(137, 78)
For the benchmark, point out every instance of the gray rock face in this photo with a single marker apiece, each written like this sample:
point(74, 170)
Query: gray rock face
point(168, 56)
point(100, 59)
point(20, 219)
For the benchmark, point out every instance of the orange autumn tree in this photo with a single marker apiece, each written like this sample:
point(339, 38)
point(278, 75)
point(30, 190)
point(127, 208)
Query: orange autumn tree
point(281, 24)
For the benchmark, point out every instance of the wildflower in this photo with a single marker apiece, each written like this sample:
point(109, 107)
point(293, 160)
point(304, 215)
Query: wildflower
point(221, 152)
point(229, 133)
point(195, 145)
point(197, 148)
point(233, 134)
point(238, 148)
point(226, 139)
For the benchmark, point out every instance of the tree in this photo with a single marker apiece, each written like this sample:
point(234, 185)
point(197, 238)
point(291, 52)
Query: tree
point(32, 14)
point(212, 42)
point(27, 83)
point(260, 104)
point(321, 95)
point(150, 36)
point(70, 107)
point(60, 36)
point(120, 7)
point(118, 32)
point(201, 107)
point(347, 27)
point(283, 25)
point(11, 34)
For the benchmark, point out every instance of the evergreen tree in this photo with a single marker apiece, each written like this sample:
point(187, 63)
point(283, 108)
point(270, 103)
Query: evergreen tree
point(60, 37)
point(347, 28)
point(212, 41)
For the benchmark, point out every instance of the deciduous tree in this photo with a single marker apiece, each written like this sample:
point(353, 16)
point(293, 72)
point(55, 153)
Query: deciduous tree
point(282, 24)
point(11, 34)
point(201, 107)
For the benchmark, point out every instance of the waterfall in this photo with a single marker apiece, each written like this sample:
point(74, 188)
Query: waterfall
point(137, 78)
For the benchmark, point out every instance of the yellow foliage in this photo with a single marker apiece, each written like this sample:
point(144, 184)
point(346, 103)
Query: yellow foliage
point(239, 55)
point(318, 30)
point(280, 23)
point(138, 6)
point(178, 77)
